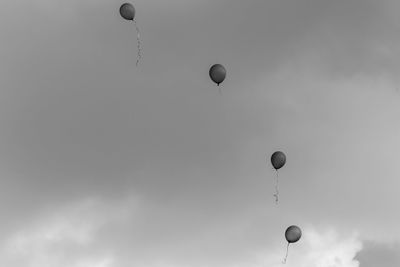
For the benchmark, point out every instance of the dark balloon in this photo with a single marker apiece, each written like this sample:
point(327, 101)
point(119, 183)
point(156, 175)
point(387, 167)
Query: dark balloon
point(127, 11)
point(278, 159)
point(217, 73)
point(293, 234)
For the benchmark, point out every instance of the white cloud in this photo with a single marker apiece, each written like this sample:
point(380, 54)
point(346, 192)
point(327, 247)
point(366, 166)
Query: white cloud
point(317, 249)
point(330, 250)
point(66, 238)
point(75, 236)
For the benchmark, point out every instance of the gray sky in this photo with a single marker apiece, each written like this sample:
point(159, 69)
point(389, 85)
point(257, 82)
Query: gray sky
point(105, 164)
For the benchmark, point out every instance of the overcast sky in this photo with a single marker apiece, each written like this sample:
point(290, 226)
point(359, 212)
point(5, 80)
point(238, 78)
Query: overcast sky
point(105, 164)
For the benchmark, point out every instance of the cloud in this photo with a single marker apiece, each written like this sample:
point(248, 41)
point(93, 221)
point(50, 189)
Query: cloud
point(319, 249)
point(104, 233)
point(66, 238)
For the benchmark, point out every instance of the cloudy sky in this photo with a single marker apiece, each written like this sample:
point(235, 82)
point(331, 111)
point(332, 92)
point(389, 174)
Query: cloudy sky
point(105, 164)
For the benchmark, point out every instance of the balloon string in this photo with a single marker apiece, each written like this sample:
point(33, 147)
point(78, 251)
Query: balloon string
point(139, 43)
point(276, 195)
point(287, 252)
point(219, 90)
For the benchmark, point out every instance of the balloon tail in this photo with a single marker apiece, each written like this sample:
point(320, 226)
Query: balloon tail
point(139, 43)
point(219, 90)
point(276, 195)
point(287, 253)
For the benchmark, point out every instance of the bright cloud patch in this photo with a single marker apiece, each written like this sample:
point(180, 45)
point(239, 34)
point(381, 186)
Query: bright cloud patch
point(67, 238)
point(71, 237)
point(319, 249)
point(330, 250)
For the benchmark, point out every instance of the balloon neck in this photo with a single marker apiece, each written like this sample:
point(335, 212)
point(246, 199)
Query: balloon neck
point(217, 84)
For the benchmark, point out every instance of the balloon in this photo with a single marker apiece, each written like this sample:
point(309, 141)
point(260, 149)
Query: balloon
point(127, 11)
point(278, 159)
point(217, 73)
point(293, 234)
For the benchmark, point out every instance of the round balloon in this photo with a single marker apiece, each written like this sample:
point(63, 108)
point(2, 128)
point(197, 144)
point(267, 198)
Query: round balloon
point(217, 73)
point(278, 159)
point(293, 234)
point(127, 11)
